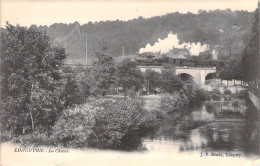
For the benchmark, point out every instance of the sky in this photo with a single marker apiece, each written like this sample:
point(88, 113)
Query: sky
point(47, 12)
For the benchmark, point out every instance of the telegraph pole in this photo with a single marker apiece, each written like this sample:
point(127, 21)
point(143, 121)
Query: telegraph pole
point(86, 51)
point(123, 51)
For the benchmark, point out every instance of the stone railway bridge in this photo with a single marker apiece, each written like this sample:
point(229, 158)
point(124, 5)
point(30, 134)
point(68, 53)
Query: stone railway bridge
point(198, 74)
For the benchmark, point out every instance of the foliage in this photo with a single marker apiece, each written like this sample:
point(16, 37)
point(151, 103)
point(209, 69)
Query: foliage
point(174, 102)
point(74, 126)
point(169, 82)
point(196, 96)
point(183, 98)
point(250, 58)
point(245, 67)
point(128, 76)
point(31, 80)
point(231, 70)
point(217, 91)
point(216, 95)
point(101, 76)
point(35, 138)
point(211, 107)
point(227, 91)
point(76, 86)
point(119, 119)
point(151, 80)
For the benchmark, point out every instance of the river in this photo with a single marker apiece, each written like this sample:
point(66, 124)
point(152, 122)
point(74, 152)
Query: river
point(210, 127)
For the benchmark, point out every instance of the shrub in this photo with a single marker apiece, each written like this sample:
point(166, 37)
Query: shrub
point(174, 102)
point(215, 97)
point(202, 95)
point(210, 107)
point(216, 91)
point(35, 138)
point(74, 126)
point(196, 96)
point(118, 120)
point(227, 91)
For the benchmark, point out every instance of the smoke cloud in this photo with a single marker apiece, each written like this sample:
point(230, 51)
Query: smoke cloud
point(166, 45)
point(214, 54)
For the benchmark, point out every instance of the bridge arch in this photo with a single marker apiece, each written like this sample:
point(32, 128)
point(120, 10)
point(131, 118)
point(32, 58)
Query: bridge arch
point(209, 77)
point(185, 76)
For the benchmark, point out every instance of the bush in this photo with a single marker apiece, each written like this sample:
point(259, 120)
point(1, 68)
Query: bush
point(74, 126)
point(215, 97)
point(202, 95)
point(197, 96)
point(216, 91)
point(210, 107)
point(110, 124)
point(227, 91)
point(34, 138)
point(118, 120)
point(174, 102)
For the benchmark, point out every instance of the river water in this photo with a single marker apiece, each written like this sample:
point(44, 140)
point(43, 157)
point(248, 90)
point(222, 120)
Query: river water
point(210, 127)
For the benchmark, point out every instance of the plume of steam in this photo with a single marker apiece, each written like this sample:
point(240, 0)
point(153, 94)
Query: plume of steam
point(165, 45)
point(214, 54)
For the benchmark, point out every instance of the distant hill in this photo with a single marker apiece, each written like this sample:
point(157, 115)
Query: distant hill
point(226, 31)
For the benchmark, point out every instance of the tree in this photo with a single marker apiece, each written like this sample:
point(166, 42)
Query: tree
point(129, 76)
point(170, 82)
point(76, 85)
point(246, 67)
point(226, 73)
point(151, 80)
point(30, 79)
point(250, 57)
point(101, 76)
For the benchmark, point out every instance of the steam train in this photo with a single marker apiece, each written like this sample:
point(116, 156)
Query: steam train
point(177, 62)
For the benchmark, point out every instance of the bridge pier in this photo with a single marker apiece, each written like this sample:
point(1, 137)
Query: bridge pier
point(202, 77)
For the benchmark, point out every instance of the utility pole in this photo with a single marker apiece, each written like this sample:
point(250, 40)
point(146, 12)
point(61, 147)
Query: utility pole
point(86, 51)
point(123, 51)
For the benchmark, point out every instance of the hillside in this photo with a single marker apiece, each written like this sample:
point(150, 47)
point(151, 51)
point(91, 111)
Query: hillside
point(224, 31)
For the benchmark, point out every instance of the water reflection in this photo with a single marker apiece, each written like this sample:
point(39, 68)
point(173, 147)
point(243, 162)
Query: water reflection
point(215, 126)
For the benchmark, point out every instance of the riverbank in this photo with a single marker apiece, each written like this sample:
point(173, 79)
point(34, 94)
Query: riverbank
point(182, 134)
point(114, 122)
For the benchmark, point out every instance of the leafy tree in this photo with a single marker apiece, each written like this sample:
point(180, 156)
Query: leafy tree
point(246, 67)
point(250, 58)
point(170, 82)
point(226, 73)
point(30, 79)
point(76, 86)
point(231, 70)
point(129, 76)
point(151, 80)
point(101, 76)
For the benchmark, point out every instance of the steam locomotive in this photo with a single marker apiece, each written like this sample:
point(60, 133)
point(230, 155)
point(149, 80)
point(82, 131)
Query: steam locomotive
point(177, 62)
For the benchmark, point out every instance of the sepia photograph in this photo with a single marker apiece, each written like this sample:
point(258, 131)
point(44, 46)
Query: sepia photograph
point(129, 83)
